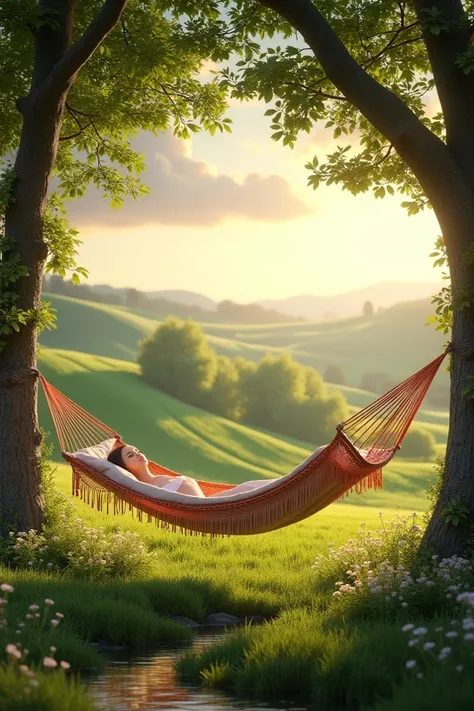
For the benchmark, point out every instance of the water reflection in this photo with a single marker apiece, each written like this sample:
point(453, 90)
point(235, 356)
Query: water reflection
point(148, 683)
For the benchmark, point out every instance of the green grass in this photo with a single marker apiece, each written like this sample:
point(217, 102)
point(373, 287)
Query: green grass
point(300, 654)
point(302, 649)
point(197, 443)
point(54, 692)
point(395, 341)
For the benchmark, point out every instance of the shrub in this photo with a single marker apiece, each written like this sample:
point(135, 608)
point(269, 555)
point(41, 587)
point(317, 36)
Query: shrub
point(381, 574)
point(78, 549)
point(419, 443)
point(178, 360)
point(314, 420)
point(223, 398)
point(276, 383)
point(334, 374)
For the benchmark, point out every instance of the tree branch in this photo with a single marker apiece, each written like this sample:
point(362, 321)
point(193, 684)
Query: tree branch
point(64, 71)
point(425, 153)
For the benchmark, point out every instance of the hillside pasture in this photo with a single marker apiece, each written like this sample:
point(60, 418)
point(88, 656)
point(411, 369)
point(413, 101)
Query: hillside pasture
point(197, 443)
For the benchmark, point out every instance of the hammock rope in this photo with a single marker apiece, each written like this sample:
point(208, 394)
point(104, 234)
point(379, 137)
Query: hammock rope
point(353, 461)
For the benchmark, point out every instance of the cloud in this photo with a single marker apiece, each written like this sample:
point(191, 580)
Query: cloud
point(188, 192)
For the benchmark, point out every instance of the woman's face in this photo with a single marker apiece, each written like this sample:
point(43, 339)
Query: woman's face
point(133, 459)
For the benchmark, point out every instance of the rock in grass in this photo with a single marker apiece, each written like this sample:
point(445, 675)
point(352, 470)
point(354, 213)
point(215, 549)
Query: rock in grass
point(222, 619)
point(187, 621)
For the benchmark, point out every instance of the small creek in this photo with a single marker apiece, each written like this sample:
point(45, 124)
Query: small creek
point(148, 682)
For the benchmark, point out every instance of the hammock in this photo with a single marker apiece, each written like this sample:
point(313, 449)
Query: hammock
point(352, 461)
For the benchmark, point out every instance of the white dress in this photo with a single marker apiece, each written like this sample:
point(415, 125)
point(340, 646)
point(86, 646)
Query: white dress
point(239, 489)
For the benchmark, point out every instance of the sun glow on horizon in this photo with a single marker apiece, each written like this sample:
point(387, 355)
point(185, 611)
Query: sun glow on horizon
point(341, 243)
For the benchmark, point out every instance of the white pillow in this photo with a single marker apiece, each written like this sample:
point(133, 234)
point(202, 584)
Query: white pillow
point(99, 451)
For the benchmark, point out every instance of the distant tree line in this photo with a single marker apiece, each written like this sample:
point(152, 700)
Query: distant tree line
point(276, 394)
point(380, 382)
point(227, 311)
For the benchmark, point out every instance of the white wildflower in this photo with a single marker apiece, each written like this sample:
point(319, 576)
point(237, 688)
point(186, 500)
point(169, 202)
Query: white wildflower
point(50, 662)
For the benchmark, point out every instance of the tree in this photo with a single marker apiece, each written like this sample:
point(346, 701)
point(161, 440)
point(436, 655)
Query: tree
point(178, 360)
point(133, 298)
point(368, 309)
point(315, 419)
point(275, 384)
point(419, 443)
point(76, 80)
point(334, 374)
point(314, 386)
point(368, 70)
point(223, 398)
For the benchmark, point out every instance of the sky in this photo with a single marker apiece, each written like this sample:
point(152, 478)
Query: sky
point(230, 216)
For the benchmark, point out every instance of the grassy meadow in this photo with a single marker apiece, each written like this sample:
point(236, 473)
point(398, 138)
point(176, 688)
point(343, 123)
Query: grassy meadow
point(395, 340)
point(91, 359)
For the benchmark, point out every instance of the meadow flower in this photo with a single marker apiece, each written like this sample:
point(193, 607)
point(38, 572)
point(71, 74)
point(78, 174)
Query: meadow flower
point(410, 664)
point(54, 623)
point(59, 615)
point(50, 663)
point(49, 602)
point(33, 608)
point(428, 645)
point(451, 634)
point(6, 588)
point(420, 631)
point(64, 665)
point(13, 651)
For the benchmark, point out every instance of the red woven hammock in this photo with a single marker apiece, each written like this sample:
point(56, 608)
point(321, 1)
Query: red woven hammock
point(353, 461)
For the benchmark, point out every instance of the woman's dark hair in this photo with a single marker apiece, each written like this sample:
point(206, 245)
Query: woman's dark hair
point(115, 457)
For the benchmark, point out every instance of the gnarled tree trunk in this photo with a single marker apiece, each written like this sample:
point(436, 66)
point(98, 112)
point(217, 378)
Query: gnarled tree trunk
point(56, 64)
point(443, 536)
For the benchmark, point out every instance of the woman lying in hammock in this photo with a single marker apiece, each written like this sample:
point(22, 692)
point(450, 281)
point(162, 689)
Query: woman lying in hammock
point(136, 463)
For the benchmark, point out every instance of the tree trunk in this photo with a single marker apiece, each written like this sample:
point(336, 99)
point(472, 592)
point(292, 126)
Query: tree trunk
point(20, 439)
point(56, 64)
point(442, 536)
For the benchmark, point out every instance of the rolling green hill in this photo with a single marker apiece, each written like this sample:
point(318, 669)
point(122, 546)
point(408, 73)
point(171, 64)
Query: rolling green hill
point(194, 442)
point(396, 340)
point(103, 330)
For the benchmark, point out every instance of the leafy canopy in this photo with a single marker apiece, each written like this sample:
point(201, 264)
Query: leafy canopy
point(144, 77)
point(385, 38)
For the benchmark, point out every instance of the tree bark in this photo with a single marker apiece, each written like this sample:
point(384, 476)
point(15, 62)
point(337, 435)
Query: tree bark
point(442, 536)
point(55, 67)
